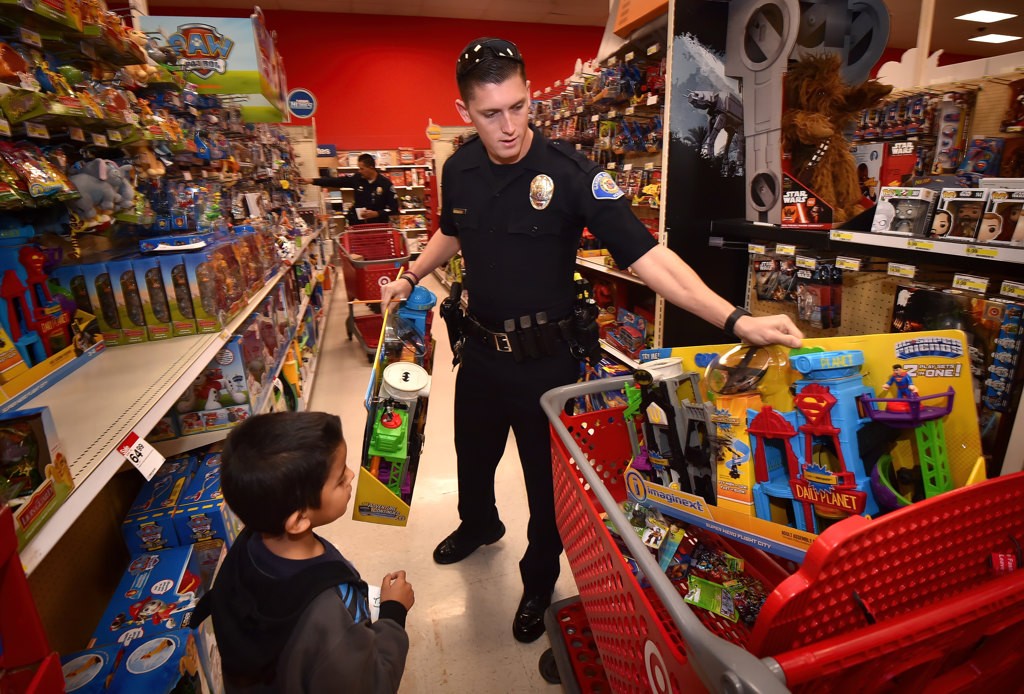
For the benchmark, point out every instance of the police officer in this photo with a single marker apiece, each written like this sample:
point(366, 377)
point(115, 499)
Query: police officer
point(374, 193)
point(515, 204)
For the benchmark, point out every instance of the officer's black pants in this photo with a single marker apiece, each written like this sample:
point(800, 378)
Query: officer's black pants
point(492, 394)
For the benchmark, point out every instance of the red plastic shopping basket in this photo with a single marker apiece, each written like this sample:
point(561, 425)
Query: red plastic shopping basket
point(906, 602)
point(370, 258)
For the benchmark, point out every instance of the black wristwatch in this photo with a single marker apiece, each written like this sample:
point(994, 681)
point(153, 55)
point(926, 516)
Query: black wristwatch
point(730, 322)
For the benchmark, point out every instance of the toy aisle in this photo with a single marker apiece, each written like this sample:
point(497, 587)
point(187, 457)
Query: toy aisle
point(190, 240)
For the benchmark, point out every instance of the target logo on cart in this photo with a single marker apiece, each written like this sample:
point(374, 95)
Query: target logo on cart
point(657, 673)
point(635, 485)
point(383, 280)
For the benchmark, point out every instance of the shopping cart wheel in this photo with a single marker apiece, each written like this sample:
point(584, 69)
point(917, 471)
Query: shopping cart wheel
point(548, 667)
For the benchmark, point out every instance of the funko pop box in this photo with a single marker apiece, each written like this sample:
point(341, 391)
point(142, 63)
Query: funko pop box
point(32, 462)
point(959, 213)
point(149, 524)
point(179, 295)
point(201, 513)
point(158, 593)
point(906, 211)
point(1005, 210)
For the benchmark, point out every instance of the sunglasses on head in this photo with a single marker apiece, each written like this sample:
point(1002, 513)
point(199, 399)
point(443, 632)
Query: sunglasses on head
point(484, 49)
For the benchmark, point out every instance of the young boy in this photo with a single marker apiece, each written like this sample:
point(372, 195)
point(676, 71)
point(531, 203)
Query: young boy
point(289, 611)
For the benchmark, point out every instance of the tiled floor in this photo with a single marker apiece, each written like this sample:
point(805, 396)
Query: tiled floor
point(460, 628)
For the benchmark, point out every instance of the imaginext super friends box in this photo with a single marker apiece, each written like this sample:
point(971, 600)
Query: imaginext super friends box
point(781, 444)
point(201, 513)
point(149, 524)
point(33, 468)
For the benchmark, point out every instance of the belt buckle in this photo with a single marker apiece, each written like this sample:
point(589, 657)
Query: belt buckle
point(501, 342)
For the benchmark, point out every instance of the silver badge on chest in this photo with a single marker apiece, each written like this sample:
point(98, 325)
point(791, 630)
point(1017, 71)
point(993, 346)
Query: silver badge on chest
point(542, 189)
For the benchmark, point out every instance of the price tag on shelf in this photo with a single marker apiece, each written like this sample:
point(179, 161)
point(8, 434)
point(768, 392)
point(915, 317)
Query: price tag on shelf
point(651, 50)
point(187, 175)
point(806, 262)
point(613, 61)
point(785, 249)
point(919, 245)
point(578, 146)
point(547, 122)
point(627, 167)
point(629, 56)
point(137, 451)
point(579, 109)
point(558, 117)
point(31, 38)
point(76, 134)
point(610, 166)
point(595, 118)
point(536, 93)
point(982, 252)
point(547, 90)
point(613, 113)
point(840, 236)
point(649, 166)
point(844, 263)
point(100, 140)
point(37, 130)
point(970, 283)
point(114, 136)
point(5, 128)
point(652, 100)
point(901, 270)
point(630, 110)
point(1014, 290)
point(756, 248)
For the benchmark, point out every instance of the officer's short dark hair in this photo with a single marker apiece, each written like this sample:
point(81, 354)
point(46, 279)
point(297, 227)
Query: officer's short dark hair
point(368, 160)
point(276, 464)
point(487, 61)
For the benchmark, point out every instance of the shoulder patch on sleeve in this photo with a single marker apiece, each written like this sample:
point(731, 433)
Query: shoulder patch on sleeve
point(604, 187)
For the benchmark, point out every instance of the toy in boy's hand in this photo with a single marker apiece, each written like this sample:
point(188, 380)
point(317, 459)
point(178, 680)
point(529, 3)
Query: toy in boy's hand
point(819, 105)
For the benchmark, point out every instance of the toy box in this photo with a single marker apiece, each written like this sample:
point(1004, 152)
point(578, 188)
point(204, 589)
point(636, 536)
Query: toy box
point(250, 262)
point(34, 475)
point(201, 513)
point(156, 306)
point(629, 334)
point(219, 397)
point(959, 213)
point(162, 664)
point(101, 297)
point(1003, 221)
point(982, 157)
point(819, 294)
point(868, 158)
point(179, 294)
point(899, 161)
point(91, 671)
point(128, 299)
point(905, 211)
point(805, 438)
point(157, 594)
point(215, 281)
point(149, 524)
point(802, 208)
point(164, 430)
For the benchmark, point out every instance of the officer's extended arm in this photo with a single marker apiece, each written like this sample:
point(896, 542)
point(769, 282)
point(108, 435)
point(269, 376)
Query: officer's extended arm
point(667, 274)
point(439, 250)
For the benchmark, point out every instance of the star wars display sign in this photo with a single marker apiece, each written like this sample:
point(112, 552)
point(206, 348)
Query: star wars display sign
point(227, 56)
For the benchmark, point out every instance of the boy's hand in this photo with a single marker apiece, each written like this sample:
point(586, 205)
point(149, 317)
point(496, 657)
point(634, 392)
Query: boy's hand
point(395, 587)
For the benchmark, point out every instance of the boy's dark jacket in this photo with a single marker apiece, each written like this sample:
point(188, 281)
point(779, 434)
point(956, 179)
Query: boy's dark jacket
point(301, 634)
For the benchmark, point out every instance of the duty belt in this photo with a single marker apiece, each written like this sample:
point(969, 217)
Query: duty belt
point(530, 337)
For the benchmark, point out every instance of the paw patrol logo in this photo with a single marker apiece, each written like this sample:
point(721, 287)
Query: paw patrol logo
point(202, 50)
point(930, 347)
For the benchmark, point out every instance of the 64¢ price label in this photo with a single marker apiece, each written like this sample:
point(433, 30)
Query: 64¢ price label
point(137, 451)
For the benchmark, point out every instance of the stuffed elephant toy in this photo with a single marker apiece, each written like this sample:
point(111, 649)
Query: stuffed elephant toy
point(105, 187)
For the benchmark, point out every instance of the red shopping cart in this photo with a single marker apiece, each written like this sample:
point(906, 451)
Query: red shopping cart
point(371, 256)
point(911, 601)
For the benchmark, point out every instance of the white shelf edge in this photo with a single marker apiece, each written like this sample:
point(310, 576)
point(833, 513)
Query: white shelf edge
point(408, 187)
point(601, 267)
point(628, 361)
point(961, 249)
point(195, 354)
point(411, 210)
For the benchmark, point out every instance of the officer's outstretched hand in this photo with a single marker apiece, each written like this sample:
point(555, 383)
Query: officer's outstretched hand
point(766, 330)
point(396, 290)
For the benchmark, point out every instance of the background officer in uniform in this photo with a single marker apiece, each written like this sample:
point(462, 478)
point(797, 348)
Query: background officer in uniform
point(515, 204)
point(374, 193)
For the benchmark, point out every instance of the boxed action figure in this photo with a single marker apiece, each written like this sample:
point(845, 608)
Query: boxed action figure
point(155, 305)
point(215, 280)
point(1003, 221)
point(128, 299)
point(959, 213)
point(201, 513)
point(898, 162)
point(149, 524)
point(101, 297)
point(179, 295)
point(868, 157)
point(904, 211)
point(219, 397)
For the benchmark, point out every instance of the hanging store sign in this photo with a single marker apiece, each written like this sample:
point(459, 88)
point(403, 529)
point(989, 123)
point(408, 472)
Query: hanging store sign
point(301, 103)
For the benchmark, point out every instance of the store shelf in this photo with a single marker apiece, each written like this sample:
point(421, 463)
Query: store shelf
point(614, 352)
point(592, 264)
point(98, 405)
point(411, 210)
point(408, 187)
point(310, 380)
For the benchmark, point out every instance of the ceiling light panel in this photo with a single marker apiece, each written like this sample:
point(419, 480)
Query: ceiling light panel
point(986, 16)
point(995, 38)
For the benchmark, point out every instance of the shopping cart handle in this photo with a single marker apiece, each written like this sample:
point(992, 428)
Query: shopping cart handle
point(721, 666)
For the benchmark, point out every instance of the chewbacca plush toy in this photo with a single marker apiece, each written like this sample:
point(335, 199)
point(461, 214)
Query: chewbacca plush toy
point(819, 105)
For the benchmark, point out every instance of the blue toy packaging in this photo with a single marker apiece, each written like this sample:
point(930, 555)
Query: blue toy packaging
point(179, 295)
point(201, 513)
point(149, 524)
point(129, 301)
point(91, 671)
point(219, 398)
point(153, 294)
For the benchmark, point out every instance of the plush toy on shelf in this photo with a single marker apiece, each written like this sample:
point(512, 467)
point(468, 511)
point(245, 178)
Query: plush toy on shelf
point(819, 105)
point(105, 188)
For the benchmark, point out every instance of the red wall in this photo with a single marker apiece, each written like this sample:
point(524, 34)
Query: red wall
point(377, 79)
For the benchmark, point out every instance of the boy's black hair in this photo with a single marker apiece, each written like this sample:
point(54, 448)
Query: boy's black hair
point(492, 67)
point(276, 464)
point(367, 160)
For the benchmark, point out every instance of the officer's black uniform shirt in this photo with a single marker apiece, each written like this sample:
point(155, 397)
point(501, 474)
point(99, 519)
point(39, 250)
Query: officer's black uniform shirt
point(520, 260)
point(378, 196)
